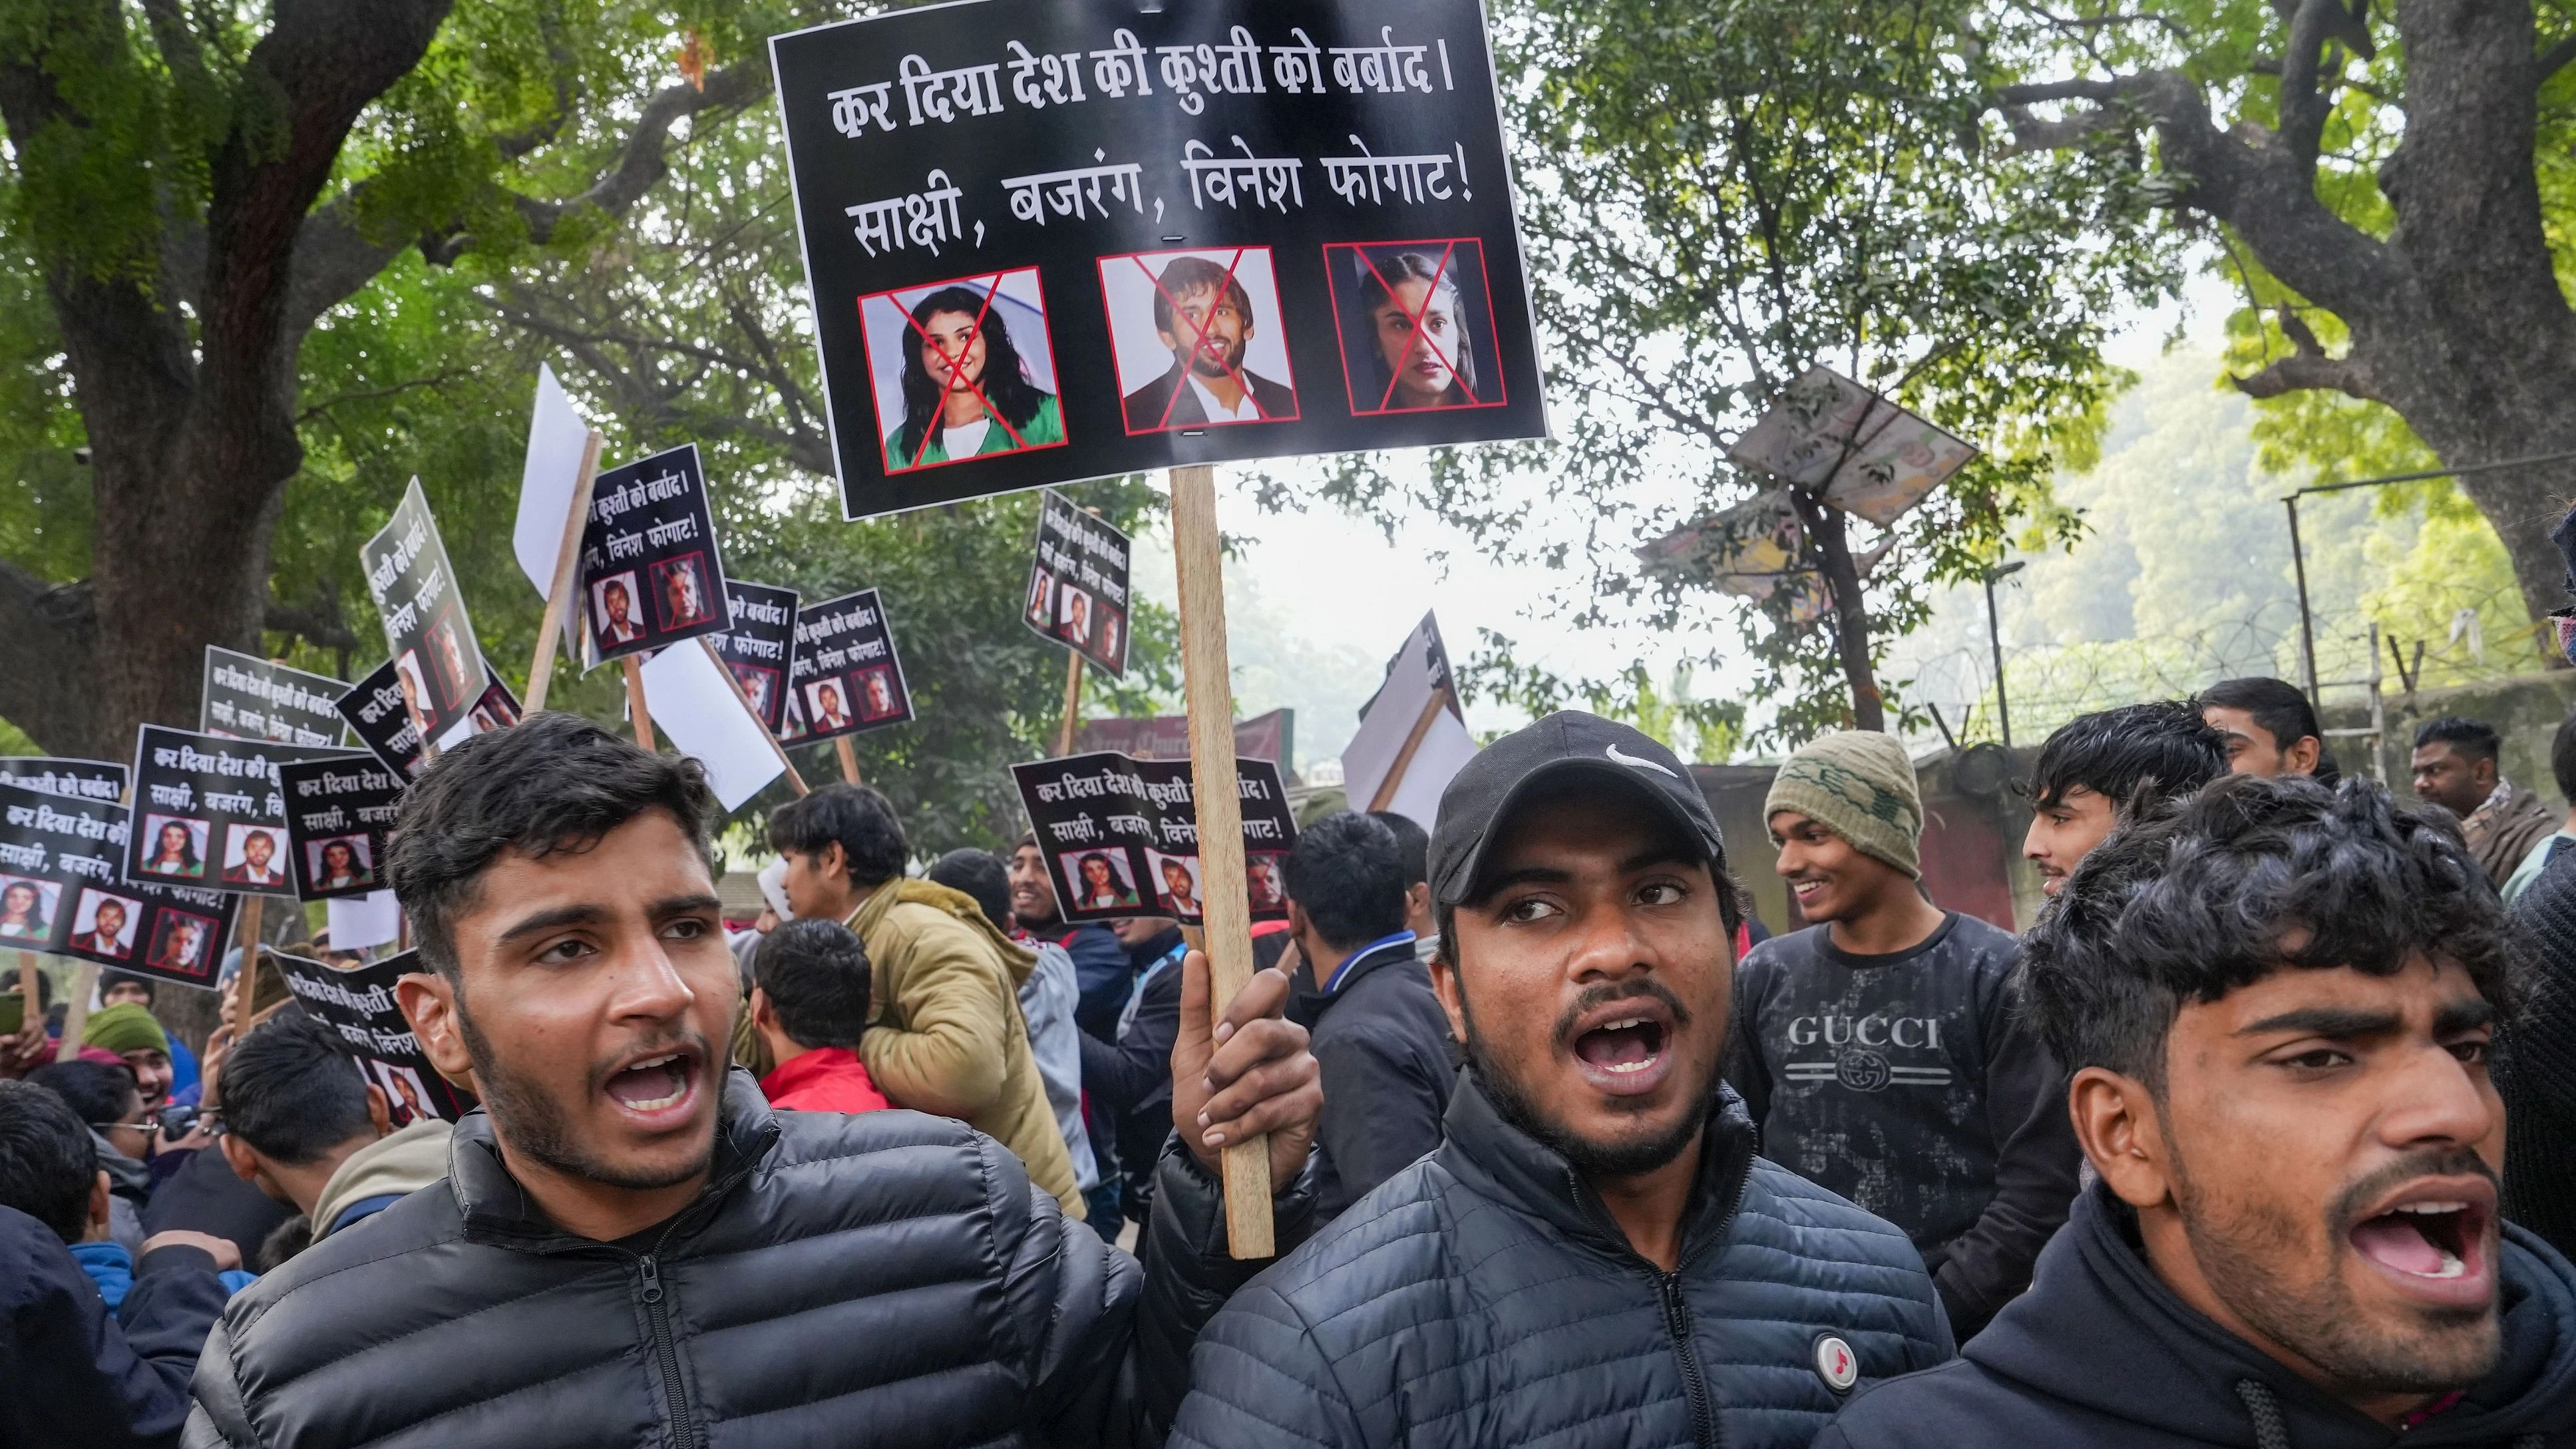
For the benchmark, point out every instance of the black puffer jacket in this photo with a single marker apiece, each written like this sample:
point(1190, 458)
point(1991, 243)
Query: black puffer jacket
point(1483, 1297)
point(886, 1278)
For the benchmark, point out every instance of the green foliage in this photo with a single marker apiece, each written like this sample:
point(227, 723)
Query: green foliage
point(1670, 713)
point(1718, 196)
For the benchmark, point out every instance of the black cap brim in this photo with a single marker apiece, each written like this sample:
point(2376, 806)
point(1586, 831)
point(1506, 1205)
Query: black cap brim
point(1456, 885)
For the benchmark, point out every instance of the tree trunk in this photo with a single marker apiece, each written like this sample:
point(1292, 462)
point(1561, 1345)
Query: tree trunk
point(1850, 618)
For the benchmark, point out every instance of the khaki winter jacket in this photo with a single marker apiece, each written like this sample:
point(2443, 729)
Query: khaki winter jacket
point(945, 1034)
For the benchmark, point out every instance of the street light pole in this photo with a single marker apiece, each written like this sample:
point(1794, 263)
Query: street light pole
point(1995, 637)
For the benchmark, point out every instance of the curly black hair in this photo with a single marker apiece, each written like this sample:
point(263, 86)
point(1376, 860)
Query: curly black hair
point(2248, 877)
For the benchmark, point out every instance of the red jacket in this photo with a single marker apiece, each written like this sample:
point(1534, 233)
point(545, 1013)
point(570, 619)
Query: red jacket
point(826, 1079)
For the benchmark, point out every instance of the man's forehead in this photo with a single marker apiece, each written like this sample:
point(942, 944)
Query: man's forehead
point(1586, 826)
point(645, 860)
point(2422, 987)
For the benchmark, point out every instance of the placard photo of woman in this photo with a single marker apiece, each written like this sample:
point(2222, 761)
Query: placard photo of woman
point(1417, 325)
point(174, 846)
point(27, 908)
point(962, 370)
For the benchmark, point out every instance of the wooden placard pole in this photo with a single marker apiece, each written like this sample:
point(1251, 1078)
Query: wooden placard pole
point(849, 758)
point(798, 781)
point(76, 1011)
point(27, 990)
point(635, 710)
point(1394, 780)
point(541, 669)
point(1072, 703)
point(246, 981)
point(1208, 682)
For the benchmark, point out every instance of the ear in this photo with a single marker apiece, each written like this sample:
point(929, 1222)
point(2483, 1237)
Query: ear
point(2115, 1120)
point(239, 1156)
point(764, 1017)
point(380, 1114)
point(428, 1002)
point(2301, 758)
point(831, 860)
point(1444, 984)
point(1298, 924)
point(1417, 899)
point(101, 1203)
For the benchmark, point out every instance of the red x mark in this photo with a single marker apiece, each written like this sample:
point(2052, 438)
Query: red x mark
point(958, 381)
point(1203, 344)
point(1413, 326)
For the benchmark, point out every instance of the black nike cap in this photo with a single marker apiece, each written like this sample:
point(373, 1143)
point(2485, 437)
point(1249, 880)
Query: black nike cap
point(1482, 795)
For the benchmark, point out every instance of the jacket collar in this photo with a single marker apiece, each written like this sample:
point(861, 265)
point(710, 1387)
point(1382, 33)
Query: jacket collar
point(1509, 1165)
point(806, 1067)
point(1387, 952)
point(497, 1210)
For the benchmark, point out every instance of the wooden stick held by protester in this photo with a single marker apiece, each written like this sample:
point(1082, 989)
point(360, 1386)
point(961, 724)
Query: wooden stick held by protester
point(559, 596)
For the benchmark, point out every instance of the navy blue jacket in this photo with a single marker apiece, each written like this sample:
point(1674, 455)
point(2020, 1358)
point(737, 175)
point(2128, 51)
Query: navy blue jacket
point(2100, 1353)
point(1483, 1297)
point(1381, 1045)
point(74, 1374)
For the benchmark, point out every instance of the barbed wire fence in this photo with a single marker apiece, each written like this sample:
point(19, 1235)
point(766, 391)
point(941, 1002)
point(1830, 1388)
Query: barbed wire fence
point(2448, 638)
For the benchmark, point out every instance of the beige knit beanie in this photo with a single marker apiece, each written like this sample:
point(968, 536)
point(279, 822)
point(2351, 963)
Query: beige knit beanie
point(1859, 785)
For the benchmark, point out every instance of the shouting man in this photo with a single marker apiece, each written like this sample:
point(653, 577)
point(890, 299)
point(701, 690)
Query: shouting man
point(1594, 1256)
point(631, 1248)
point(2278, 1004)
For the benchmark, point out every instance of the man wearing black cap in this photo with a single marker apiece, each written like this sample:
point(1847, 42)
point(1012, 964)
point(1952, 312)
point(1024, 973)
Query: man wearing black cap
point(1594, 1255)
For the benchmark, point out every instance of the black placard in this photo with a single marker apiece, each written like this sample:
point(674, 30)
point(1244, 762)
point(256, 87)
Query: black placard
point(88, 779)
point(760, 648)
point(1078, 583)
point(436, 662)
point(650, 572)
point(847, 675)
point(374, 709)
point(1037, 189)
point(209, 812)
point(359, 1004)
point(338, 815)
point(246, 698)
point(1122, 835)
point(60, 859)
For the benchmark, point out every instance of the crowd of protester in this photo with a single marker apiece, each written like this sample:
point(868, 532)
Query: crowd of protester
point(1565, 1147)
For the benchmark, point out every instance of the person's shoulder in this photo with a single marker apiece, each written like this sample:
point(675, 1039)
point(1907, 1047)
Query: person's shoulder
point(1816, 1227)
point(1397, 1236)
point(1977, 939)
point(1951, 1403)
point(831, 1172)
point(1785, 952)
point(340, 1274)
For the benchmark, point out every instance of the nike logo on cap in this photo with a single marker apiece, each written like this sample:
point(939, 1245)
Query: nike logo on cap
point(1634, 763)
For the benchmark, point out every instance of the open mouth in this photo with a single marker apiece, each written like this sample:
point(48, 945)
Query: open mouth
point(1806, 890)
point(2431, 1247)
point(657, 1086)
point(1624, 1049)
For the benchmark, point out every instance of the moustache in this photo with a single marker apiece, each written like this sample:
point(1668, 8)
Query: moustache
point(2425, 1162)
point(1601, 994)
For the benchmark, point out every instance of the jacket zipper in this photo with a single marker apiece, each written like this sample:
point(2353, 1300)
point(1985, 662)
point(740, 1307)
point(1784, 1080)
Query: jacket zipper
point(1668, 1286)
point(683, 1436)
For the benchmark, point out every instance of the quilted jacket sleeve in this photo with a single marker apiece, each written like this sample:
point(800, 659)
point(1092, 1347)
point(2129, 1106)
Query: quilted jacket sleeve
point(1113, 1361)
point(940, 1047)
point(1259, 1377)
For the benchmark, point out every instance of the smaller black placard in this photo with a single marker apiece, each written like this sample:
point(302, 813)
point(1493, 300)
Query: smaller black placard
point(760, 648)
point(650, 572)
point(338, 816)
point(847, 675)
point(1078, 583)
point(359, 1004)
point(1121, 836)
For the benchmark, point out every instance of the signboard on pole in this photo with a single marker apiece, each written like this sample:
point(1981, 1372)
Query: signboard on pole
point(88, 779)
point(760, 646)
point(252, 699)
point(374, 710)
point(61, 892)
point(1860, 452)
point(359, 1004)
point(650, 572)
point(1078, 584)
point(847, 675)
point(437, 665)
point(211, 812)
point(1121, 836)
point(1061, 239)
point(338, 816)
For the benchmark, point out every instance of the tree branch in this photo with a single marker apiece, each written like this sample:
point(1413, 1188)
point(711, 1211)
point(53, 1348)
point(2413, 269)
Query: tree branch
point(641, 163)
point(48, 654)
point(2553, 60)
point(2304, 103)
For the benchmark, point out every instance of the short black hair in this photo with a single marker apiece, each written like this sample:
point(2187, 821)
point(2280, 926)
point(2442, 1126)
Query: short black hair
point(98, 1091)
point(1412, 846)
point(1197, 274)
point(293, 1091)
point(110, 980)
point(2198, 900)
point(1346, 872)
point(2562, 758)
point(857, 818)
point(48, 1160)
point(2279, 709)
point(2130, 754)
point(815, 973)
point(552, 782)
point(2473, 739)
point(980, 875)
